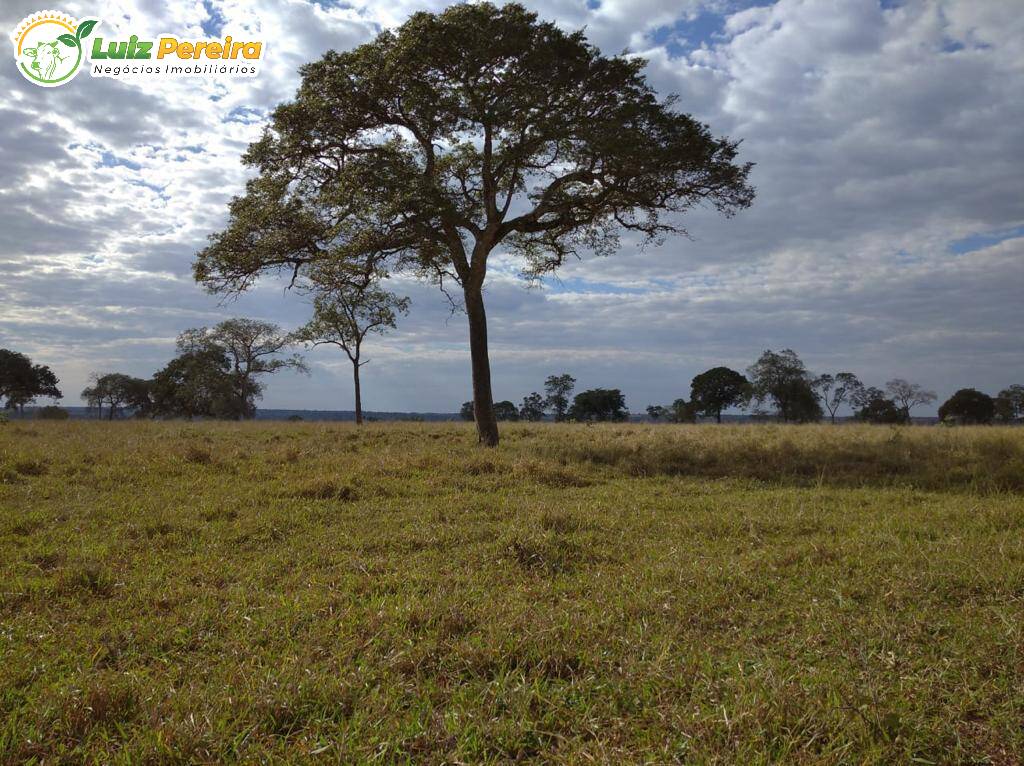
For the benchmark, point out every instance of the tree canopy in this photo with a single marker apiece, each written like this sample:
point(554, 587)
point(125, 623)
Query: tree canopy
point(599, 404)
point(21, 381)
point(717, 389)
point(199, 383)
point(457, 133)
point(836, 390)
point(782, 378)
point(118, 391)
point(559, 388)
point(251, 347)
point(908, 395)
point(532, 408)
point(872, 406)
point(1009, 404)
point(968, 406)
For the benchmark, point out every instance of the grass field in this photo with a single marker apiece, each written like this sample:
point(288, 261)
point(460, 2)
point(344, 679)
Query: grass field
point(253, 592)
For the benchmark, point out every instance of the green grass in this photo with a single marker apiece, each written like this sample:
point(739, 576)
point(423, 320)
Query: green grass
point(208, 593)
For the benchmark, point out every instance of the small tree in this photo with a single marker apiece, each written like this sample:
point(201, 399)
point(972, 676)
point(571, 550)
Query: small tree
point(657, 412)
point(506, 410)
point(836, 390)
point(466, 411)
point(968, 406)
point(1010, 404)
point(252, 347)
point(717, 389)
point(782, 378)
point(118, 392)
point(343, 315)
point(871, 406)
point(599, 404)
point(683, 411)
point(908, 395)
point(532, 408)
point(559, 389)
point(476, 129)
point(21, 382)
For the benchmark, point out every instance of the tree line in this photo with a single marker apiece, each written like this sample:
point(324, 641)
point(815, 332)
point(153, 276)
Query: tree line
point(778, 386)
point(219, 372)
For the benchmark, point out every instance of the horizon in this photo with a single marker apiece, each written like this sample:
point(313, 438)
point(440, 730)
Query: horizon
point(886, 237)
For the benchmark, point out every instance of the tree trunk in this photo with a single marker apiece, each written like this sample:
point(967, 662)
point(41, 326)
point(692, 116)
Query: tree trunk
point(483, 401)
point(359, 397)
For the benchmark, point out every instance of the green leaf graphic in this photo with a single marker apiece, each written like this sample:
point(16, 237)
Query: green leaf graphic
point(85, 28)
point(68, 40)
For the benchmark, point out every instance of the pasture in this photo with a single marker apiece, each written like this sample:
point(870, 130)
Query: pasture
point(304, 593)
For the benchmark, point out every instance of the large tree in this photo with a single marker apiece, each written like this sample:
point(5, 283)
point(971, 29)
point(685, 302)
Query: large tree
point(968, 406)
point(461, 132)
point(908, 395)
point(21, 381)
point(717, 389)
point(782, 378)
point(344, 314)
point(199, 382)
point(253, 349)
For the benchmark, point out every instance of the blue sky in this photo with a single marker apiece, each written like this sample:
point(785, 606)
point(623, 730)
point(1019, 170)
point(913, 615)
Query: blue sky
point(887, 237)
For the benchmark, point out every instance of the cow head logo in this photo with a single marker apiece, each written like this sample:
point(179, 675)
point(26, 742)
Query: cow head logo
point(48, 47)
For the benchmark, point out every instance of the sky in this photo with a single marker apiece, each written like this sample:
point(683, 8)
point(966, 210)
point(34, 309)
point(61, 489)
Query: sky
point(887, 236)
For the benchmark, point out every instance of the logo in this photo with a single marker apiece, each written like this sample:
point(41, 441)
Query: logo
point(48, 47)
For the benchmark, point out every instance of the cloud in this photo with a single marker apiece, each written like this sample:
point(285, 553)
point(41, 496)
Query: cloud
point(886, 236)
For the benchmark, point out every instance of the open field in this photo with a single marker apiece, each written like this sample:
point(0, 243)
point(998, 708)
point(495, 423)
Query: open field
point(175, 592)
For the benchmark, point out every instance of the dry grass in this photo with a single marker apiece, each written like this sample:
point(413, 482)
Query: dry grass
point(209, 593)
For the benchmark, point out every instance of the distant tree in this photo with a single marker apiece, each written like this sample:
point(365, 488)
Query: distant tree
point(252, 347)
point(118, 392)
point(1010, 404)
point(559, 389)
point(683, 411)
point(968, 406)
point(465, 132)
point(657, 412)
point(200, 382)
point(599, 404)
point(506, 410)
point(21, 382)
point(783, 379)
point(718, 389)
point(908, 395)
point(872, 406)
point(344, 314)
point(466, 411)
point(532, 408)
point(838, 389)
point(52, 412)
